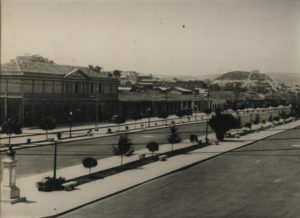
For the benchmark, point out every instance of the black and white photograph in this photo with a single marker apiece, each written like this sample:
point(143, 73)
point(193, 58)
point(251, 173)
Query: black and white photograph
point(150, 108)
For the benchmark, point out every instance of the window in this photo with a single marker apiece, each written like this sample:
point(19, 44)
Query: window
point(48, 87)
point(100, 88)
point(57, 87)
point(92, 88)
point(3, 86)
point(114, 89)
point(27, 86)
point(76, 88)
point(13, 86)
point(106, 89)
point(38, 87)
point(68, 87)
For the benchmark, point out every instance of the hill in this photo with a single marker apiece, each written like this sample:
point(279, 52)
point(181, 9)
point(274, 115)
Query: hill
point(246, 79)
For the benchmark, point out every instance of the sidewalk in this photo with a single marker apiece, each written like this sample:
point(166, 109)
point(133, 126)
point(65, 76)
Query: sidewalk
point(42, 204)
point(80, 132)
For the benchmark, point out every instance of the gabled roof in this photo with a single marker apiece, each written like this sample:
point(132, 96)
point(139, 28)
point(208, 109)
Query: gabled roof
point(77, 71)
point(32, 64)
point(183, 89)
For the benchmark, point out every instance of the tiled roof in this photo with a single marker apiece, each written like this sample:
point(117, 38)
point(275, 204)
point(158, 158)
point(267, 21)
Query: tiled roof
point(149, 96)
point(182, 89)
point(29, 65)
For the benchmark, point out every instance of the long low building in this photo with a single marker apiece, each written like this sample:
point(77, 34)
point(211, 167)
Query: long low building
point(159, 100)
point(32, 87)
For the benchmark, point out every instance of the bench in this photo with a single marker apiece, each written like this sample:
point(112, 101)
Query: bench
point(69, 186)
point(130, 152)
point(163, 157)
point(51, 139)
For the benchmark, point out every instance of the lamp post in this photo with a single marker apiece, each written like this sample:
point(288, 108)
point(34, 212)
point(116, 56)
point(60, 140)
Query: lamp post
point(196, 112)
point(70, 123)
point(97, 108)
point(149, 109)
point(54, 164)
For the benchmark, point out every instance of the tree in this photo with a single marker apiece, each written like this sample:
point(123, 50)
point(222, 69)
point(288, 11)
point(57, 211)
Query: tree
point(174, 137)
point(270, 118)
point(136, 116)
point(120, 119)
point(48, 123)
point(248, 125)
point(164, 115)
point(152, 146)
point(283, 114)
point(124, 145)
point(180, 114)
point(256, 119)
point(98, 69)
point(11, 126)
point(117, 73)
point(214, 87)
point(89, 162)
point(221, 123)
point(193, 138)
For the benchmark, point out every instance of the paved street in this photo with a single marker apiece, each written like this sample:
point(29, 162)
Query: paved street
point(259, 180)
point(40, 159)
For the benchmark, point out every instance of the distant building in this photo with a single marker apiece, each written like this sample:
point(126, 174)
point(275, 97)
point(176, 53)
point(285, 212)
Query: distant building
point(191, 84)
point(162, 99)
point(33, 87)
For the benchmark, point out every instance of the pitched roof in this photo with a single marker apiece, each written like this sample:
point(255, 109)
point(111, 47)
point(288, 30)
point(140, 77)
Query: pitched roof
point(42, 65)
point(182, 89)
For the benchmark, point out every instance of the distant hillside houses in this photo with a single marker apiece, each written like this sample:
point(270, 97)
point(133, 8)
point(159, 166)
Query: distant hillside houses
point(253, 80)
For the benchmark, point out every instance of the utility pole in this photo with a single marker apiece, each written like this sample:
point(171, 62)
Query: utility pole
point(153, 99)
point(5, 100)
point(54, 164)
point(96, 111)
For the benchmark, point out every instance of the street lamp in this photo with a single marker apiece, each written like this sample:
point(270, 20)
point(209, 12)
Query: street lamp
point(149, 109)
point(54, 162)
point(70, 123)
point(196, 112)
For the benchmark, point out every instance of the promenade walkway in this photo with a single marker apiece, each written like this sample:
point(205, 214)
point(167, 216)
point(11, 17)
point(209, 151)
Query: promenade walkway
point(38, 136)
point(44, 204)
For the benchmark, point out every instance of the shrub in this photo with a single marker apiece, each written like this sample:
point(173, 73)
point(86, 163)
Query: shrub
point(152, 146)
point(256, 119)
point(89, 162)
point(193, 138)
point(11, 126)
point(180, 113)
point(48, 123)
point(270, 118)
point(248, 125)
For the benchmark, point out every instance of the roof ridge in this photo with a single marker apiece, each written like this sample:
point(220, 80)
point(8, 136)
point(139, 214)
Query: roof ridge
point(18, 66)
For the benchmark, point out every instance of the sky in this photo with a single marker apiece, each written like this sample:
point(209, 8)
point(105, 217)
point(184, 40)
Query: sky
point(162, 37)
